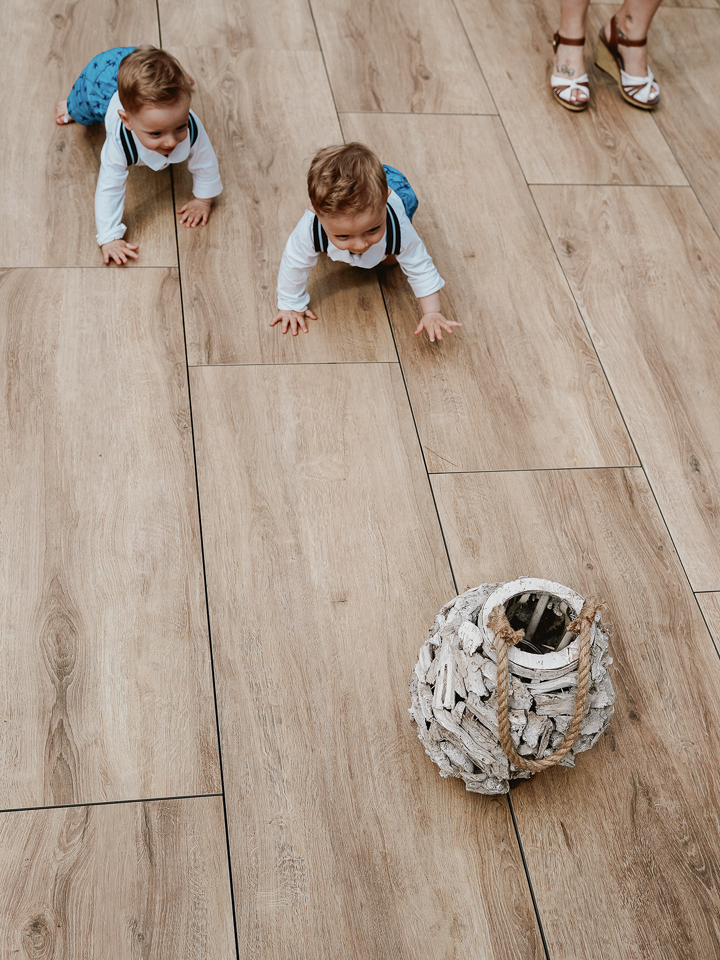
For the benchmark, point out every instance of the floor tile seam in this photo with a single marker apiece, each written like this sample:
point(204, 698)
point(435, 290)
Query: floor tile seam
point(418, 438)
point(615, 399)
point(715, 642)
point(581, 317)
point(691, 185)
point(516, 828)
point(211, 652)
point(324, 60)
point(669, 144)
point(620, 186)
point(108, 803)
point(482, 72)
point(605, 3)
point(457, 591)
point(504, 470)
point(75, 266)
point(619, 408)
point(414, 113)
point(291, 363)
point(526, 868)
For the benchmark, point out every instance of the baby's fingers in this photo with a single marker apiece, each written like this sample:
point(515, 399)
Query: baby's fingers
point(429, 330)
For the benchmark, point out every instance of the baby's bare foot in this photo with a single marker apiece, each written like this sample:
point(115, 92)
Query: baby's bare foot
point(61, 113)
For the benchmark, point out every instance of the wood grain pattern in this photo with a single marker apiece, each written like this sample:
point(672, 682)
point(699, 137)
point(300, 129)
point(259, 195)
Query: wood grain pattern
point(49, 173)
point(325, 568)
point(409, 56)
point(684, 49)
point(518, 386)
point(622, 851)
point(610, 142)
point(237, 25)
point(642, 264)
point(267, 114)
point(127, 881)
point(107, 685)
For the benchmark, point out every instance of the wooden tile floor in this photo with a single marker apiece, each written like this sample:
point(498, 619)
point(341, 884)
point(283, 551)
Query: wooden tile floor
point(222, 547)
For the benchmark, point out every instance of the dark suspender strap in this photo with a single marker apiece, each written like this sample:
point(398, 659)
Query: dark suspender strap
point(193, 127)
point(392, 227)
point(128, 145)
point(320, 240)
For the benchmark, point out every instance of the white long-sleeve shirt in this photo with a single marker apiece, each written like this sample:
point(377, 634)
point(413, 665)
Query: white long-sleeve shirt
point(110, 192)
point(300, 257)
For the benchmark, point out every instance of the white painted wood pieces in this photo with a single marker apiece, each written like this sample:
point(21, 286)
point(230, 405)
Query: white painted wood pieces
point(454, 683)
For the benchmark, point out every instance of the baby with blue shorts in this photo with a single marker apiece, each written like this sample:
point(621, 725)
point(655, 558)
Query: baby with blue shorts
point(142, 95)
point(360, 212)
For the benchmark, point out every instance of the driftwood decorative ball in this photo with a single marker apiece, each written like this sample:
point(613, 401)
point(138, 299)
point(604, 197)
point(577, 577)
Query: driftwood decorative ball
point(512, 679)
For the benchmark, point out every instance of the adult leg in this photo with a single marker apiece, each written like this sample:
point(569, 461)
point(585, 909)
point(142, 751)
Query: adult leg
point(569, 63)
point(633, 22)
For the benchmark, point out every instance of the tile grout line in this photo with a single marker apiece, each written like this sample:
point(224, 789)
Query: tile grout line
point(688, 186)
point(397, 360)
point(205, 586)
point(690, 183)
point(411, 113)
point(419, 440)
point(327, 72)
point(619, 409)
point(428, 476)
point(612, 466)
point(511, 807)
point(108, 803)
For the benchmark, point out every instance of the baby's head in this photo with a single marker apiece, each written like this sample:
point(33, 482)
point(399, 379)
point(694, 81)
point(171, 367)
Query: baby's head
point(155, 93)
point(348, 191)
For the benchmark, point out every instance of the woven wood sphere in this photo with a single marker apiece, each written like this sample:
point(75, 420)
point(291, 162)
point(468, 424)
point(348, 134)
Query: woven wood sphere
point(454, 684)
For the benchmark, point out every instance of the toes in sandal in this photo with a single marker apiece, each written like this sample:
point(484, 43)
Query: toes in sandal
point(562, 88)
point(636, 90)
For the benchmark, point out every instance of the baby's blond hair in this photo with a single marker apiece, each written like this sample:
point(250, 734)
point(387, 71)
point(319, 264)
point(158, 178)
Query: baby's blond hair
point(149, 76)
point(346, 177)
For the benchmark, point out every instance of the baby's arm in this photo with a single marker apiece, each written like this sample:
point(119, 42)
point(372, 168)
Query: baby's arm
point(433, 322)
point(298, 259)
point(109, 206)
point(203, 165)
point(426, 282)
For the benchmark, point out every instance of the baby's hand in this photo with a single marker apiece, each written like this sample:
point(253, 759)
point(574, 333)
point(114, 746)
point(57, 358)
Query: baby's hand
point(119, 251)
point(195, 213)
point(434, 323)
point(293, 319)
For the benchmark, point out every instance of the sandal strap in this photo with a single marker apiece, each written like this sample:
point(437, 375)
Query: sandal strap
point(638, 88)
point(567, 41)
point(624, 42)
point(565, 88)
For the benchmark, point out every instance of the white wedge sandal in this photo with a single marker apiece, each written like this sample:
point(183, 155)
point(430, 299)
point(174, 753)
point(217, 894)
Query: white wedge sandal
point(636, 90)
point(562, 88)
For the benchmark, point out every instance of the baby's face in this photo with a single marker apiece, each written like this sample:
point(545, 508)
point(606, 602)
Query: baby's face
point(355, 231)
point(159, 127)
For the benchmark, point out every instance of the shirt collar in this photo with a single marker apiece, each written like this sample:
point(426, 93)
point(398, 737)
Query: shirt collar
point(157, 161)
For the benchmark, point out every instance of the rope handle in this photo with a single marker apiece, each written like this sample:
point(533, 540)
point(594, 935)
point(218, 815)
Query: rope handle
point(506, 637)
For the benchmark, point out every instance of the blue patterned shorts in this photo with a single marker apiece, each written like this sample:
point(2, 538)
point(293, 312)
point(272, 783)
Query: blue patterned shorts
point(94, 88)
point(398, 182)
